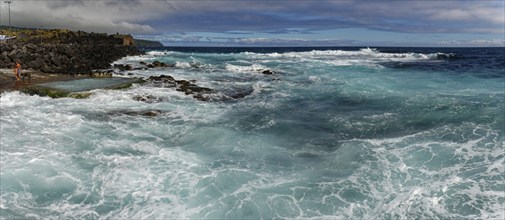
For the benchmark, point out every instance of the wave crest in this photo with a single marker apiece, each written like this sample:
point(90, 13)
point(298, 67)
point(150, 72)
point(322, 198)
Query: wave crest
point(362, 54)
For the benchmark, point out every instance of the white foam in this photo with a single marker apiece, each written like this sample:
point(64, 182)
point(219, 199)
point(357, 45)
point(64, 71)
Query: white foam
point(381, 116)
point(132, 59)
point(261, 86)
point(228, 160)
point(159, 53)
point(314, 79)
point(364, 56)
point(245, 69)
point(181, 64)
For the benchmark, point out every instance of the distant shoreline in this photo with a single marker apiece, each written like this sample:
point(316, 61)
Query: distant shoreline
point(284, 49)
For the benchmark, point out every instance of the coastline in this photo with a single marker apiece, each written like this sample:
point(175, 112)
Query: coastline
point(326, 117)
point(8, 81)
point(59, 55)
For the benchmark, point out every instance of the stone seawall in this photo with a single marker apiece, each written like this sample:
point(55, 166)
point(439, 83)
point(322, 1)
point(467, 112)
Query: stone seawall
point(63, 58)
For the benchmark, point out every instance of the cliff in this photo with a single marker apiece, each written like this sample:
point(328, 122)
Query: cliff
point(63, 51)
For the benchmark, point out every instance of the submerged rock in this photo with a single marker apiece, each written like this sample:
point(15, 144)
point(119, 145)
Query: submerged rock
point(54, 93)
point(188, 87)
point(162, 81)
point(151, 113)
point(306, 155)
point(145, 113)
point(159, 64)
point(156, 64)
point(268, 72)
point(162, 78)
point(123, 67)
point(240, 94)
point(147, 98)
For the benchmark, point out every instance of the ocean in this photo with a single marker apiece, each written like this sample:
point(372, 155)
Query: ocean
point(333, 133)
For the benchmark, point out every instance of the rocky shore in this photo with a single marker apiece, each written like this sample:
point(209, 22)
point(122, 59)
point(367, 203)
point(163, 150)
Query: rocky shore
point(64, 58)
point(59, 55)
point(65, 52)
point(8, 81)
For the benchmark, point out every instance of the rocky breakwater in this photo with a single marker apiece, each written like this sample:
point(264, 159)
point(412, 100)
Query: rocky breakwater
point(67, 52)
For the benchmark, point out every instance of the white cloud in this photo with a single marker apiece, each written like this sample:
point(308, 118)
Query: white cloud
point(474, 43)
point(493, 15)
point(183, 39)
point(97, 16)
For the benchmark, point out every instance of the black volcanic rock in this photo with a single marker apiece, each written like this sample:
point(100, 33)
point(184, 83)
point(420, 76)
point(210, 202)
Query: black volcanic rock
point(267, 72)
point(188, 87)
point(157, 64)
point(67, 52)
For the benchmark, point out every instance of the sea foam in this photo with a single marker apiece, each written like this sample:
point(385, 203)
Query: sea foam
point(332, 134)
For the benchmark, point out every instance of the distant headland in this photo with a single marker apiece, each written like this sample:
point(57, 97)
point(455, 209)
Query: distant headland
point(64, 51)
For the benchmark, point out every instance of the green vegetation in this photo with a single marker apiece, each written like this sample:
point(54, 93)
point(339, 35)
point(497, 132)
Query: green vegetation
point(60, 36)
point(57, 36)
point(147, 43)
point(25, 35)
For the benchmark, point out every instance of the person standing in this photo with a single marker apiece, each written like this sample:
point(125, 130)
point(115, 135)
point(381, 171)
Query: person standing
point(17, 71)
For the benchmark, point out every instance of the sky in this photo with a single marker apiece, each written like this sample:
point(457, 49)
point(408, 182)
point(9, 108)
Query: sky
point(448, 23)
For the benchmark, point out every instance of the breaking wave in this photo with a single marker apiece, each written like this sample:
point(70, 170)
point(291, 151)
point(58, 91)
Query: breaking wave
point(330, 134)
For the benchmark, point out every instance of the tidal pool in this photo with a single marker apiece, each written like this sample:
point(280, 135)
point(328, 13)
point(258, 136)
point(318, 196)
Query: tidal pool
point(81, 85)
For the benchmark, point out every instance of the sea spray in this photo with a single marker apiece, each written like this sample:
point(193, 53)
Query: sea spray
point(391, 134)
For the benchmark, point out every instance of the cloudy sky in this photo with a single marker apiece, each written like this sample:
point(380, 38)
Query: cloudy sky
point(275, 22)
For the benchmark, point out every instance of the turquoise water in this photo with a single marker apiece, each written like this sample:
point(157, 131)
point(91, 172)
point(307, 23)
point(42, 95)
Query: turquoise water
point(81, 85)
point(362, 134)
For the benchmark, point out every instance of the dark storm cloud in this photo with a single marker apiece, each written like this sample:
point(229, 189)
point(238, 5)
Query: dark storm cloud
point(261, 16)
point(393, 16)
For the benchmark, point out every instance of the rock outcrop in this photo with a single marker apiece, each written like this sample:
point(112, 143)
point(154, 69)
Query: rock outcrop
point(190, 88)
point(67, 52)
point(187, 87)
